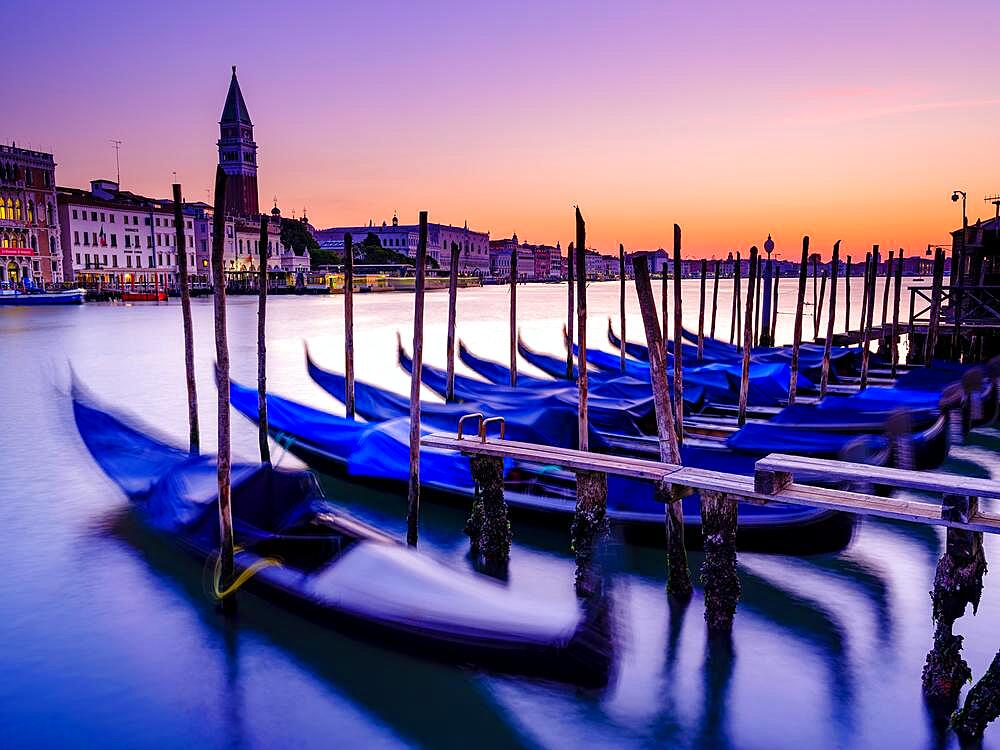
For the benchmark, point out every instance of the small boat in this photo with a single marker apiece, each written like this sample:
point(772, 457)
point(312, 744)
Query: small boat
point(155, 296)
point(67, 297)
point(305, 554)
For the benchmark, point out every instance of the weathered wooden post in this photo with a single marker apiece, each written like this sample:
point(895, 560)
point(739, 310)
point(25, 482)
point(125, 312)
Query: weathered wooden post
point(864, 299)
point(701, 311)
point(897, 287)
point(822, 297)
point(885, 291)
point(982, 705)
point(847, 298)
point(489, 527)
point(930, 343)
point(590, 522)
point(663, 301)
point(735, 324)
point(349, 325)
point(719, 520)
point(227, 566)
point(621, 302)
point(452, 312)
point(869, 314)
point(757, 271)
point(678, 575)
point(194, 444)
point(262, 430)
point(570, 311)
point(828, 344)
point(748, 337)
point(513, 318)
point(678, 338)
point(958, 582)
point(413, 491)
point(799, 303)
point(774, 306)
point(815, 275)
point(715, 298)
point(766, 282)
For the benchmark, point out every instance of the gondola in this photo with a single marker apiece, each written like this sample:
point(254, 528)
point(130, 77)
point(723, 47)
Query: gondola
point(378, 453)
point(312, 558)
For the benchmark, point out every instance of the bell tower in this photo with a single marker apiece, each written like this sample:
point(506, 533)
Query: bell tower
point(238, 155)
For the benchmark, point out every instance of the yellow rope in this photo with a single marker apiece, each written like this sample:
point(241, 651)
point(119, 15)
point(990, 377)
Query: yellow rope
point(246, 575)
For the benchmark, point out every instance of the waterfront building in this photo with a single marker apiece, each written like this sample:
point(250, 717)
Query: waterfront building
point(474, 246)
point(501, 252)
point(29, 222)
point(119, 239)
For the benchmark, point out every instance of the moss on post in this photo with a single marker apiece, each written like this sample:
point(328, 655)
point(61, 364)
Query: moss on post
point(590, 527)
point(488, 526)
point(678, 574)
point(958, 582)
point(718, 569)
point(982, 705)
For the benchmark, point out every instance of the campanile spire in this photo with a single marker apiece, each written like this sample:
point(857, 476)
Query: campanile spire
point(238, 154)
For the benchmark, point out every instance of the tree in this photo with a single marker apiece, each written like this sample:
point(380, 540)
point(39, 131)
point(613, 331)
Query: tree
point(295, 234)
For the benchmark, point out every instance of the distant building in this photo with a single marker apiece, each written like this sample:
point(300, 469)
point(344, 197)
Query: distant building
point(29, 221)
point(118, 238)
point(473, 246)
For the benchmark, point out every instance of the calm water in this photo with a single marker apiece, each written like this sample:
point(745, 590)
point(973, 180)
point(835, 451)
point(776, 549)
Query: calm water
point(108, 638)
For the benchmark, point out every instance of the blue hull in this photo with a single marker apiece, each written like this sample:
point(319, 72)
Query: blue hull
point(74, 297)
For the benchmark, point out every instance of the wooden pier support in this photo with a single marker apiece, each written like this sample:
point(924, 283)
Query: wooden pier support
point(982, 705)
point(413, 489)
point(847, 296)
point(747, 338)
point(799, 303)
point(262, 431)
point(715, 298)
point(930, 343)
point(868, 314)
point(227, 565)
point(589, 528)
point(719, 519)
point(678, 338)
point(621, 303)
point(583, 431)
point(734, 323)
point(897, 288)
point(349, 325)
point(701, 312)
point(452, 314)
point(194, 436)
point(513, 318)
point(570, 310)
point(678, 575)
point(828, 343)
point(819, 313)
point(488, 526)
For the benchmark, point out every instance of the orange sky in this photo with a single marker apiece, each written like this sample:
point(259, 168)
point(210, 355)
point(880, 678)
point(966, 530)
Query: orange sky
point(846, 120)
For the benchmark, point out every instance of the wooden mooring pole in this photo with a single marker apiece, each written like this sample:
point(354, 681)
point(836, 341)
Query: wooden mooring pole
point(227, 565)
point(774, 306)
point(930, 343)
point(748, 337)
point(758, 305)
point(513, 317)
point(349, 325)
point(847, 297)
point(262, 431)
point(701, 310)
point(828, 343)
point(194, 437)
point(621, 302)
point(590, 524)
point(869, 314)
point(897, 288)
point(452, 313)
point(413, 490)
point(815, 275)
point(570, 310)
point(799, 303)
point(715, 298)
point(678, 338)
point(766, 282)
point(678, 575)
point(734, 323)
point(488, 526)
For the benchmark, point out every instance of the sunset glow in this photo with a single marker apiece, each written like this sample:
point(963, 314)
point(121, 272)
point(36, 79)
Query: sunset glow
point(846, 120)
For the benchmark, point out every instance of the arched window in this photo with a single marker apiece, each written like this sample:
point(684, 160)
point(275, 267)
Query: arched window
point(3, 210)
point(17, 209)
point(34, 243)
point(31, 211)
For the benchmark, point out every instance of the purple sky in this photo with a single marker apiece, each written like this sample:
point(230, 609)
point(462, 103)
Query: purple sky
point(850, 120)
